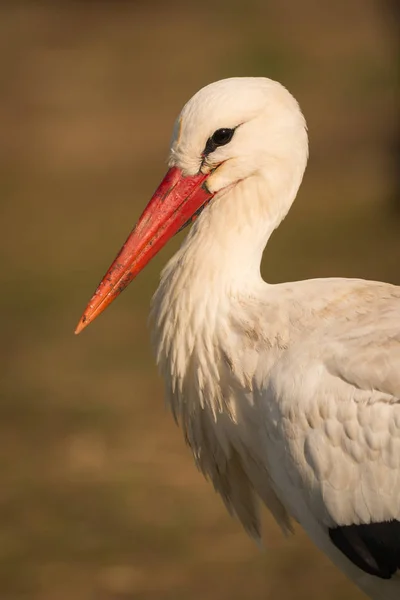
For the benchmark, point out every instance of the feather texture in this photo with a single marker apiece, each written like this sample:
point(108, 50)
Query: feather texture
point(287, 394)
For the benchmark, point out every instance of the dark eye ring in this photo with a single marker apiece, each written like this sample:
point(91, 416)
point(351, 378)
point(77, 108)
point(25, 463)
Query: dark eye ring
point(222, 136)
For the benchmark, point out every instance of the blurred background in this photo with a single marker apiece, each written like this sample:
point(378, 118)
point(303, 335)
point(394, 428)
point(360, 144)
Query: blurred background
point(99, 498)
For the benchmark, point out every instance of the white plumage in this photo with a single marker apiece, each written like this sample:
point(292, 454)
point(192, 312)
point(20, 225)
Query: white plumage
point(287, 394)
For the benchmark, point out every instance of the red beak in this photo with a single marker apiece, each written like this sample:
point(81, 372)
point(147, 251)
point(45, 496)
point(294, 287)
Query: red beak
point(174, 203)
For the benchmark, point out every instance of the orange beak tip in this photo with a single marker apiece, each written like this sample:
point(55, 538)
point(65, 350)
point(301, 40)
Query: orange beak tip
point(81, 325)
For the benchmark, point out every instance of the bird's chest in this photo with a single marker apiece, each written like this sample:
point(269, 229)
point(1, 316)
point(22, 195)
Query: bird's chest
point(214, 390)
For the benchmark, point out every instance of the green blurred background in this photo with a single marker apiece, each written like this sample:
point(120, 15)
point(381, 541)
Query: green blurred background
point(99, 498)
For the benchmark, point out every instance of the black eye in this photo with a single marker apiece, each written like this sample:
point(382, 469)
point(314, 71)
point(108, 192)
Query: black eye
point(221, 137)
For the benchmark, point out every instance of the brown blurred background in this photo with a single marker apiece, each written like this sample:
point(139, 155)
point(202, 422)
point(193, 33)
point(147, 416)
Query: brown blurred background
point(99, 498)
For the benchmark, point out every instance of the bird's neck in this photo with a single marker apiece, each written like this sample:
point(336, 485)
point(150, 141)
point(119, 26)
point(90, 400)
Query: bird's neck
point(208, 281)
point(224, 248)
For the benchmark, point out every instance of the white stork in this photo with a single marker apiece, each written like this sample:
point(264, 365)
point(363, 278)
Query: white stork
point(287, 394)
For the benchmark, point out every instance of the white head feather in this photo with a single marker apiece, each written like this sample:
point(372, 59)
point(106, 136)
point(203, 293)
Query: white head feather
point(270, 129)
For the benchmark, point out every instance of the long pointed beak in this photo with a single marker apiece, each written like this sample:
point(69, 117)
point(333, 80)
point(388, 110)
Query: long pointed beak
point(173, 204)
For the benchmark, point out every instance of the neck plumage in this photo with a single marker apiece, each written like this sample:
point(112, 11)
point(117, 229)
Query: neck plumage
point(218, 265)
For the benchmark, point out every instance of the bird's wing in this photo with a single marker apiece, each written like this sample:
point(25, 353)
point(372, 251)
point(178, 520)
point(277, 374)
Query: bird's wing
point(366, 354)
point(334, 403)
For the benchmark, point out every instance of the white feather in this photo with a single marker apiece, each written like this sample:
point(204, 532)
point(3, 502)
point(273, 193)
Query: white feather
point(289, 393)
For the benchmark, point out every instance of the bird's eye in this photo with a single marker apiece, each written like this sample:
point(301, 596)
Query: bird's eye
point(220, 137)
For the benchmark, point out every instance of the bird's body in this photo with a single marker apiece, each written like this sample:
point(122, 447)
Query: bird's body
point(288, 394)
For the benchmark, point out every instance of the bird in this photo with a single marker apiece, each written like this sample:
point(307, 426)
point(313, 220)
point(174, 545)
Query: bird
point(288, 394)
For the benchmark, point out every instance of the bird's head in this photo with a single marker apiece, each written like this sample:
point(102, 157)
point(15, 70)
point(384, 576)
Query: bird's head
point(228, 132)
point(234, 128)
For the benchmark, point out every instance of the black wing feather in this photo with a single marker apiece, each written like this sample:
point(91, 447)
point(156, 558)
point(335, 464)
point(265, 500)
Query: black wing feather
point(373, 547)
